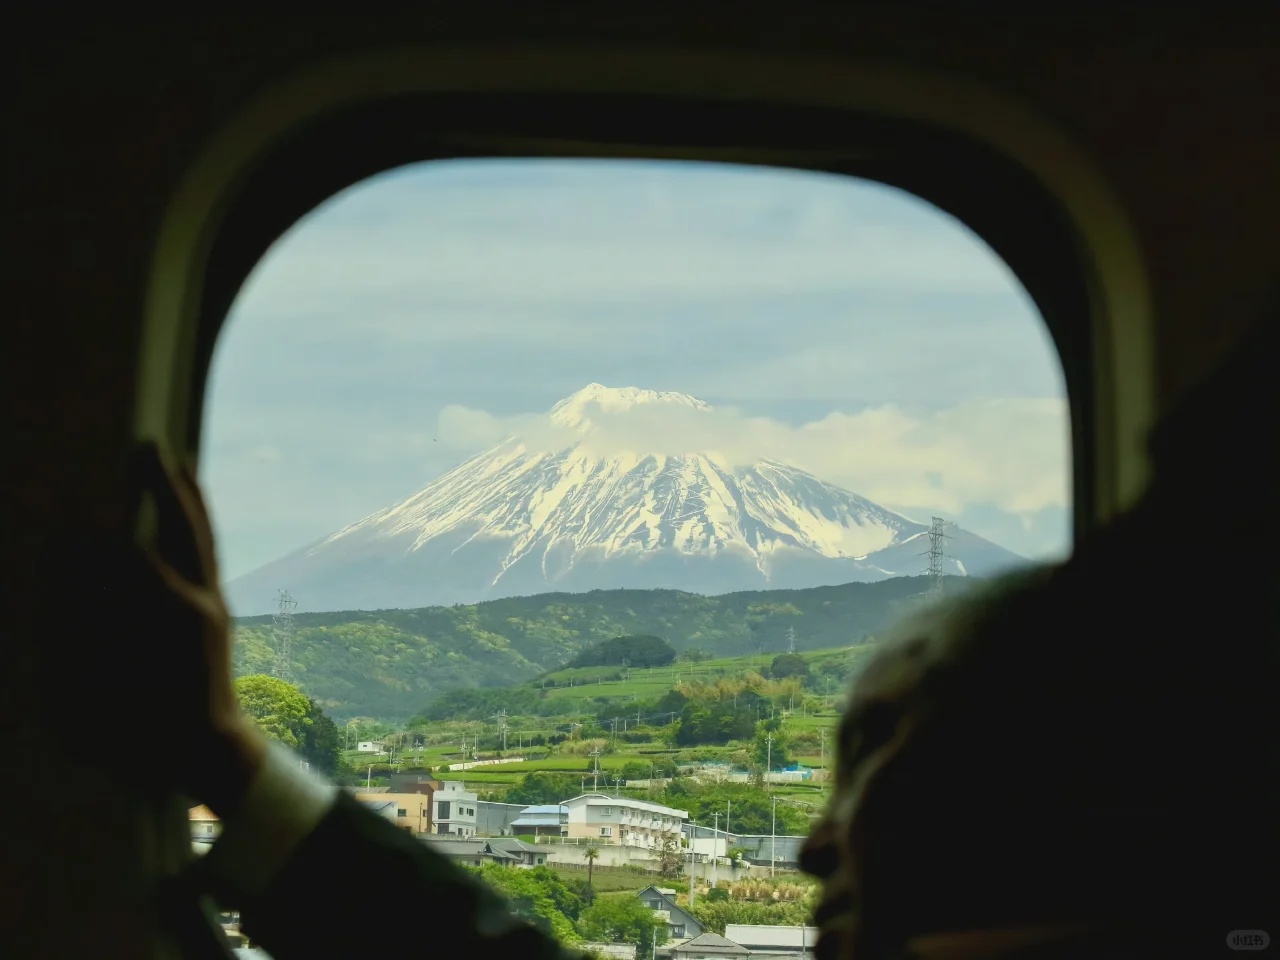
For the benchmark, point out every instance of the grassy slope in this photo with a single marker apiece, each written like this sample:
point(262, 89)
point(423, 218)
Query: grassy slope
point(389, 663)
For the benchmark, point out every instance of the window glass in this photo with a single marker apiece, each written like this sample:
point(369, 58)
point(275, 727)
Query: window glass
point(543, 480)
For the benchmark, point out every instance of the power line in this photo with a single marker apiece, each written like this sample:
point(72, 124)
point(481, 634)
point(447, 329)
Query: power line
point(283, 620)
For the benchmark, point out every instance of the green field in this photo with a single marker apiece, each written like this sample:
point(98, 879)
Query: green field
point(652, 682)
point(597, 688)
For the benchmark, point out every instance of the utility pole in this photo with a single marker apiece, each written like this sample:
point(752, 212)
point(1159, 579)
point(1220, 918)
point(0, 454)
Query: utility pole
point(773, 852)
point(693, 862)
point(283, 618)
point(715, 848)
point(768, 764)
point(595, 772)
point(822, 740)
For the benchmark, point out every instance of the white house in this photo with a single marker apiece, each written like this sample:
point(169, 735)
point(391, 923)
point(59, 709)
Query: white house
point(453, 809)
point(369, 746)
point(622, 820)
point(767, 940)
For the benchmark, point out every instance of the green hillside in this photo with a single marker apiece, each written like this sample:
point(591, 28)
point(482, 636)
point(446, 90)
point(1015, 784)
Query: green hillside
point(389, 663)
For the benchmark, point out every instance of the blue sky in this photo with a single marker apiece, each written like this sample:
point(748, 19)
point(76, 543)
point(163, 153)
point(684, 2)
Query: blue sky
point(838, 324)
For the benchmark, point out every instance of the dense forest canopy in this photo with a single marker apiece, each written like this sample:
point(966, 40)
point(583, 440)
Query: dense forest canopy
point(390, 663)
point(642, 651)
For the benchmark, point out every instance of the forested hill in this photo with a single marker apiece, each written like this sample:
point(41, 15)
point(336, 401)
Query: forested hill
point(388, 663)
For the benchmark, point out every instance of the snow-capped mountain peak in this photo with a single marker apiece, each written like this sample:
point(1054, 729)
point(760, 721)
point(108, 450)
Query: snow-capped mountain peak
point(574, 410)
point(577, 514)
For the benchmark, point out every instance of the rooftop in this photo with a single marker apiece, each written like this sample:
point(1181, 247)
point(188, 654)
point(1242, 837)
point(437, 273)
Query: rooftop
point(502, 848)
point(756, 935)
point(714, 945)
point(603, 800)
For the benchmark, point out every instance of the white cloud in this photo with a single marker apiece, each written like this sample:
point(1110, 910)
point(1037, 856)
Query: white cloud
point(1013, 453)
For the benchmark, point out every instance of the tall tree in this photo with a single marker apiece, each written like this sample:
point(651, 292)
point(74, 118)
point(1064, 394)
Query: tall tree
point(623, 919)
point(321, 742)
point(591, 855)
point(279, 709)
point(670, 859)
point(541, 787)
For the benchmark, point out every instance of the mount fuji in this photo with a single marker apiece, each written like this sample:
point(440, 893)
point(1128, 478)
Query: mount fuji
point(570, 514)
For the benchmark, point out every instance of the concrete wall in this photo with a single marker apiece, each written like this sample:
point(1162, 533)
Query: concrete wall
point(472, 764)
point(616, 856)
point(623, 951)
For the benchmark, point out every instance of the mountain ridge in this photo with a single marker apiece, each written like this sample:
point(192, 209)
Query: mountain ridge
point(389, 663)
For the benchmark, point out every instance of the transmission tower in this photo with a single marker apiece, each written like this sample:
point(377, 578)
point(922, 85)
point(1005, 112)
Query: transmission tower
point(936, 536)
point(283, 618)
point(791, 639)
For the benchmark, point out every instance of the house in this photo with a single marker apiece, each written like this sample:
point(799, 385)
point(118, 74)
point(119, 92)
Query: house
point(412, 782)
point(543, 820)
point(205, 827)
point(369, 746)
point(680, 922)
point(382, 808)
point(773, 941)
point(708, 946)
point(494, 819)
point(760, 849)
point(474, 852)
point(622, 820)
point(410, 811)
point(454, 809)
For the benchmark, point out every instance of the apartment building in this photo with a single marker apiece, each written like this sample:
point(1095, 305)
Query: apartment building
point(454, 809)
point(622, 820)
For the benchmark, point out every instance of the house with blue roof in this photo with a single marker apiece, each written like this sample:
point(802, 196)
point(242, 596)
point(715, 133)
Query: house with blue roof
point(542, 820)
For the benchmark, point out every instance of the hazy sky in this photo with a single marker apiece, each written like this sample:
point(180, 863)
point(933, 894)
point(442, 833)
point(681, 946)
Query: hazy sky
point(836, 324)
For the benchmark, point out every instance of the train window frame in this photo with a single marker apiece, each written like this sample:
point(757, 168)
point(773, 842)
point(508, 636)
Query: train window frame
point(1009, 175)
